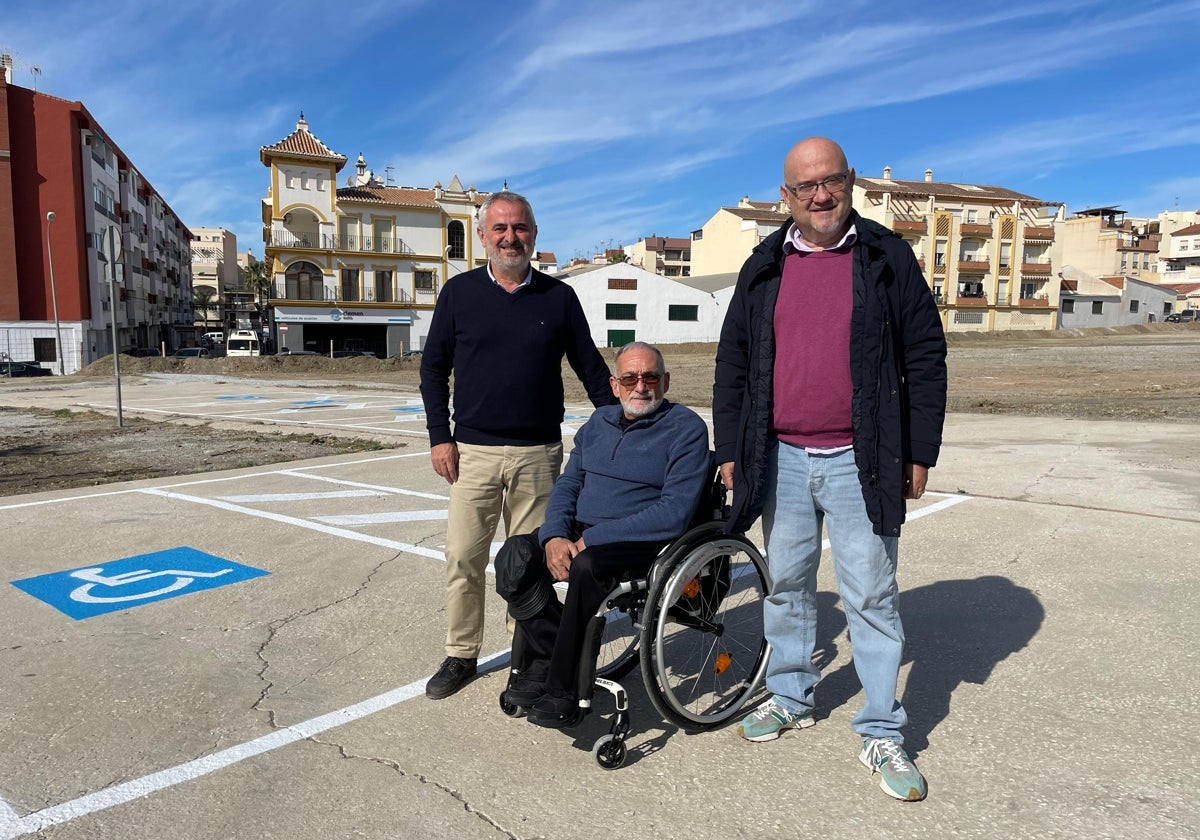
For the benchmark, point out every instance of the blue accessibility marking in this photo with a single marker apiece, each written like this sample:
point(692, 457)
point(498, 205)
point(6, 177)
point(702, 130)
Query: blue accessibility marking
point(323, 401)
point(575, 417)
point(416, 408)
point(133, 581)
point(244, 397)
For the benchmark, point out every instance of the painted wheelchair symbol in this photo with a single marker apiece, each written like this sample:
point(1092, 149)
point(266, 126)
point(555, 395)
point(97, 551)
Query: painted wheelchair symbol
point(95, 577)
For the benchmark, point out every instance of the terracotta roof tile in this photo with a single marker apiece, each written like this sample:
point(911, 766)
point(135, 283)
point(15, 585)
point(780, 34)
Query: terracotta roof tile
point(757, 215)
point(979, 192)
point(1187, 231)
point(302, 143)
point(402, 196)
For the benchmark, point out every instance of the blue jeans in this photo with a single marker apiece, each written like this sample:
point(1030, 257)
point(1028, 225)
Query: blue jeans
point(802, 492)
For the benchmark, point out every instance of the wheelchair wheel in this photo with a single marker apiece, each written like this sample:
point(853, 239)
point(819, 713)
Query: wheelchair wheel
point(618, 646)
point(609, 752)
point(704, 652)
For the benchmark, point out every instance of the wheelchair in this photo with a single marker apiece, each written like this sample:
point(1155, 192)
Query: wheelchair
point(693, 625)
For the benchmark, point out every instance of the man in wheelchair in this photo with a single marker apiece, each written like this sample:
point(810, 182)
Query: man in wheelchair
point(635, 476)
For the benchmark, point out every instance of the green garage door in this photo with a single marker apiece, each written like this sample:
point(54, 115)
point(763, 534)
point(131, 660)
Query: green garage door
point(619, 338)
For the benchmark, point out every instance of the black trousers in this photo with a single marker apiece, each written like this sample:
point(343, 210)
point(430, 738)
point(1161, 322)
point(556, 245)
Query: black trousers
point(554, 637)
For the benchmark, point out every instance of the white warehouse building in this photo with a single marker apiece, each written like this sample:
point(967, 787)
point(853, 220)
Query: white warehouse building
point(625, 303)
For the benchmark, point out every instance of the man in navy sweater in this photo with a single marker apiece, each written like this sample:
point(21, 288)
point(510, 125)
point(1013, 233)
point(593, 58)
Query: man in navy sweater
point(633, 482)
point(502, 330)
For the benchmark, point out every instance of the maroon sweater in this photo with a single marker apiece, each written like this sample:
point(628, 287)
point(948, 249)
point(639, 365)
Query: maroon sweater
point(812, 350)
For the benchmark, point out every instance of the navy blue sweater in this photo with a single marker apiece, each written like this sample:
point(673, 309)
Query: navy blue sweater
point(640, 483)
point(505, 351)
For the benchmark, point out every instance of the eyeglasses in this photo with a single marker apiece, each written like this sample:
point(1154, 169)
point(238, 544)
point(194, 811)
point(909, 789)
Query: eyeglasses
point(629, 380)
point(833, 185)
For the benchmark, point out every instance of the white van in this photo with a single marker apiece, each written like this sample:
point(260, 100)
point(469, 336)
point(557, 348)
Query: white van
point(243, 343)
point(215, 337)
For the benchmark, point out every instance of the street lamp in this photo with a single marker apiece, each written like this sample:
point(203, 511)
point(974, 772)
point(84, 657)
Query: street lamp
point(54, 295)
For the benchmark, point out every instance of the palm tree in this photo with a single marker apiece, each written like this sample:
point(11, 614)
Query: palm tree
point(204, 301)
point(258, 280)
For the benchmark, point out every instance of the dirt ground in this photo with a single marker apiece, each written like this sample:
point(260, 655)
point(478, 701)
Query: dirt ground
point(1132, 373)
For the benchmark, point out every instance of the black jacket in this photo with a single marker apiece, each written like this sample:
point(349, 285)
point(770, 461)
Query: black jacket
point(897, 368)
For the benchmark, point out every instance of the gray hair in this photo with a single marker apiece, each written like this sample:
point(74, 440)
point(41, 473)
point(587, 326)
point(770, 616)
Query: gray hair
point(641, 345)
point(504, 195)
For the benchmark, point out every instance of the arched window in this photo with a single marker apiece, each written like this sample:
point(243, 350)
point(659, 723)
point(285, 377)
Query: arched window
point(456, 238)
point(304, 281)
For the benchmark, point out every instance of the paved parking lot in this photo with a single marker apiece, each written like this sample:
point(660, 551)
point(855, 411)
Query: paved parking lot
point(1051, 674)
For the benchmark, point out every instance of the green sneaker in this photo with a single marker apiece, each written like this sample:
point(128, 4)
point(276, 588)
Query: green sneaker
point(899, 778)
point(768, 721)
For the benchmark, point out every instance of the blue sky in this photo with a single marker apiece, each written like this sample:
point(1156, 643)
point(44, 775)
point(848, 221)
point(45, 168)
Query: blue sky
point(623, 119)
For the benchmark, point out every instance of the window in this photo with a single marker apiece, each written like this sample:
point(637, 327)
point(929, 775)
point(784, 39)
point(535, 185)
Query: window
point(383, 286)
point(1133, 306)
point(1028, 290)
point(423, 279)
point(621, 312)
point(1183, 246)
point(349, 284)
point(972, 215)
point(1005, 255)
point(697, 235)
point(1068, 305)
point(939, 256)
point(289, 180)
point(456, 239)
point(44, 350)
point(622, 284)
point(679, 312)
point(304, 182)
point(1097, 307)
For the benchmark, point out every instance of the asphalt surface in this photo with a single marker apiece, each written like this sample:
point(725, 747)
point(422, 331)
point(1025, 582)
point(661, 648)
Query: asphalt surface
point(1049, 598)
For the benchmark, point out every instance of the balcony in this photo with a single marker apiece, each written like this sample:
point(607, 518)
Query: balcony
point(909, 224)
point(973, 266)
point(1039, 302)
point(1036, 268)
point(1041, 234)
point(329, 294)
point(308, 240)
point(981, 300)
point(969, 229)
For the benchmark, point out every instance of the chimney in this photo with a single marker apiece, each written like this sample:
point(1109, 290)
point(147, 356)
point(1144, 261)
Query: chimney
point(928, 174)
point(6, 64)
point(887, 173)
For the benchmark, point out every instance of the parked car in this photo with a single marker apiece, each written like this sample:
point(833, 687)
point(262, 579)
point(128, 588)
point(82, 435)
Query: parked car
point(345, 354)
point(1187, 315)
point(408, 354)
point(287, 351)
point(192, 353)
point(141, 352)
point(1173, 318)
point(215, 337)
point(23, 369)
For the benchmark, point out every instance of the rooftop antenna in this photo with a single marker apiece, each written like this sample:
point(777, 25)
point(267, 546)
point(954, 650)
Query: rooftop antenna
point(387, 175)
point(35, 71)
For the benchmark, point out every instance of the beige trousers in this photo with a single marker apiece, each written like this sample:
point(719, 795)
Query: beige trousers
point(492, 480)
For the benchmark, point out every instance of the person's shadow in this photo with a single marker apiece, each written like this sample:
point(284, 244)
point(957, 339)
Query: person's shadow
point(955, 631)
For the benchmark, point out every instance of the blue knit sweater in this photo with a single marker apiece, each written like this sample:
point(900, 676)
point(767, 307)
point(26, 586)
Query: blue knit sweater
point(505, 351)
point(640, 483)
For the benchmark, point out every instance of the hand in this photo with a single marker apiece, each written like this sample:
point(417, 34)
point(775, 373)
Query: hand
point(915, 476)
point(727, 475)
point(560, 551)
point(444, 457)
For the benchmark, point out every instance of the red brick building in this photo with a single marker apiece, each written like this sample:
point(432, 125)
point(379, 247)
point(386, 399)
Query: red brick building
point(56, 158)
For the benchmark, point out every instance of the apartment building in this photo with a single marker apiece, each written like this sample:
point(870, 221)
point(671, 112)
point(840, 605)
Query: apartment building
point(664, 255)
point(363, 262)
point(1182, 264)
point(1103, 242)
point(722, 244)
point(985, 250)
point(85, 240)
point(215, 266)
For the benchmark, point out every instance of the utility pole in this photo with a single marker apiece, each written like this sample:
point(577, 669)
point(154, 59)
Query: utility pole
point(113, 256)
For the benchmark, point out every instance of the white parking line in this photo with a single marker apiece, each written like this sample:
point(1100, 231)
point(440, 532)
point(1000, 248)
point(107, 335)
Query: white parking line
point(398, 491)
point(384, 518)
point(12, 826)
point(302, 523)
point(304, 497)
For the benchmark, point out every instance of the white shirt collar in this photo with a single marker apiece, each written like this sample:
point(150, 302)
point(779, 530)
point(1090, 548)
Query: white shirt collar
point(793, 239)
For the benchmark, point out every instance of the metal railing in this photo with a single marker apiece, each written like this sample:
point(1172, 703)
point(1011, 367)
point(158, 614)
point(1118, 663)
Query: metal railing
point(328, 242)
